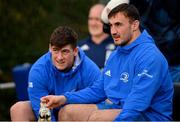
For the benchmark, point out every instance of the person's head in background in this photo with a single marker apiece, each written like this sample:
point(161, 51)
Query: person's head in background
point(63, 47)
point(124, 21)
point(95, 25)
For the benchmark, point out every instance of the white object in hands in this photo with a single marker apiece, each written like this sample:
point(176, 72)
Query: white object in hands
point(44, 113)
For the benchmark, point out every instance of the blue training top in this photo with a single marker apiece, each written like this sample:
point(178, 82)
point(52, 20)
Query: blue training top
point(46, 79)
point(136, 77)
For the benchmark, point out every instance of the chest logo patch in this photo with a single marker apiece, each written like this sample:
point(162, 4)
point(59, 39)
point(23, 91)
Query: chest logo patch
point(124, 77)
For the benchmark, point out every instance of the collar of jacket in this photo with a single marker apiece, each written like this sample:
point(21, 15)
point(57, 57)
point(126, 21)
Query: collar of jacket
point(144, 37)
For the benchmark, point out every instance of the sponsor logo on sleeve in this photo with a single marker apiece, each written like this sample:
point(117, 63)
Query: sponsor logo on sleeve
point(145, 73)
point(30, 84)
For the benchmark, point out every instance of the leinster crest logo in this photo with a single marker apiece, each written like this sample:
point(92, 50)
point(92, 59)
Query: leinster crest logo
point(124, 77)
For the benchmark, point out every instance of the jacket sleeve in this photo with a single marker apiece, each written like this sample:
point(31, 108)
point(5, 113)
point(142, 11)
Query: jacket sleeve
point(93, 84)
point(37, 88)
point(92, 94)
point(149, 73)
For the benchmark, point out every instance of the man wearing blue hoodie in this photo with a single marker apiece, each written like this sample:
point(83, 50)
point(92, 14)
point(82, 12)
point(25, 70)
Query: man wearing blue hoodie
point(64, 68)
point(135, 80)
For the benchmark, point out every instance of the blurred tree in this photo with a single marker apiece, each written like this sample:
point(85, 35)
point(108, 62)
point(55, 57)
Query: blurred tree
point(25, 27)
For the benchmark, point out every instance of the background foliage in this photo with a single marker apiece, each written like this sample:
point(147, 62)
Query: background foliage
point(25, 28)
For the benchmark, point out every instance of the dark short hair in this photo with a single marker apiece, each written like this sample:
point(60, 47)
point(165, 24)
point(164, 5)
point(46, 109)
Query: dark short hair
point(129, 11)
point(63, 36)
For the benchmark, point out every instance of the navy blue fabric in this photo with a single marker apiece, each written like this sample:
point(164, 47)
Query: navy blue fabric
point(97, 52)
point(161, 19)
point(175, 73)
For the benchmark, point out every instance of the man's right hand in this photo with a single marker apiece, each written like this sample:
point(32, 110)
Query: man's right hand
point(53, 101)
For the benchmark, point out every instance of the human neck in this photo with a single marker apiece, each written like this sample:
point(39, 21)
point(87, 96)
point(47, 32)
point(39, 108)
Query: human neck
point(136, 34)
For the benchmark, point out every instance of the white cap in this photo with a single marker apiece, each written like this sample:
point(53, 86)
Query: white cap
point(111, 5)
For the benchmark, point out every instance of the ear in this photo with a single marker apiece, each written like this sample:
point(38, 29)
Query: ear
point(75, 51)
point(135, 25)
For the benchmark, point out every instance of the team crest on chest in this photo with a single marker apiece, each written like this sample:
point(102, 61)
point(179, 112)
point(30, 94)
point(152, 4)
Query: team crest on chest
point(124, 77)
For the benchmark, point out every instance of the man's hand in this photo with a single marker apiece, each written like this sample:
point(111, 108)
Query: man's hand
point(53, 101)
